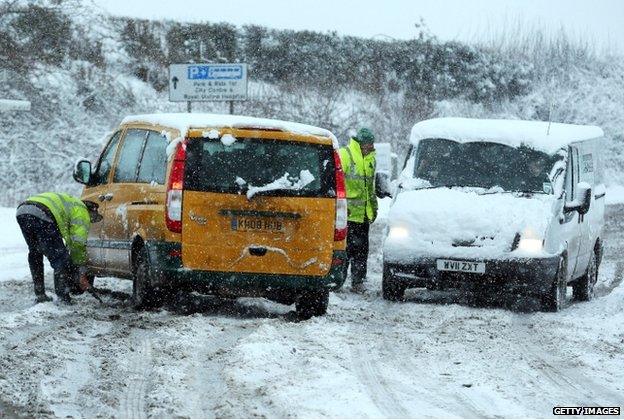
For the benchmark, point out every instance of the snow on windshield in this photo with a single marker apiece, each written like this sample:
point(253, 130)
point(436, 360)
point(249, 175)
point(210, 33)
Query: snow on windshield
point(240, 181)
point(493, 166)
point(286, 182)
point(228, 139)
point(214, 166)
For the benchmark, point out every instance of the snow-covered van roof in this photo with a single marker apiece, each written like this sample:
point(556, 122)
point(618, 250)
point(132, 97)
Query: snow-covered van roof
point(186, 121)
point(514, 133)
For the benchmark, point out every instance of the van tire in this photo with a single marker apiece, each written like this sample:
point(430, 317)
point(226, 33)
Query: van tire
point(312, 303)
point(555, 298)
point(144, 296)
point(391, 289)
point(583, 289)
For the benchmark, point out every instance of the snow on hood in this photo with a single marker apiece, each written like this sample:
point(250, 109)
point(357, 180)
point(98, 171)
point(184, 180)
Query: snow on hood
point(463, 222)
point(539, 135)
point(183, 122)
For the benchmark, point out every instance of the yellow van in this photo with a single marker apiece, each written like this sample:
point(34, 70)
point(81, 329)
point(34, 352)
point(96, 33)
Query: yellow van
point(219, 204)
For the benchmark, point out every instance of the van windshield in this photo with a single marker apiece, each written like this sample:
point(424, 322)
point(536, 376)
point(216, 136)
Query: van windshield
point(446, 163)
point(261, 166)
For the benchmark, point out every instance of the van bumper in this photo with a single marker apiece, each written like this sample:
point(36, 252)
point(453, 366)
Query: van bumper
point(166, 263)
point(521, 274)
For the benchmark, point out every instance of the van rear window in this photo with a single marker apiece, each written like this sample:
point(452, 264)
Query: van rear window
point(277, 167)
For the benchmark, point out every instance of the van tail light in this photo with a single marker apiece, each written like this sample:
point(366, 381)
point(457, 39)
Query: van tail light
point(340, 231)
point(173, 209)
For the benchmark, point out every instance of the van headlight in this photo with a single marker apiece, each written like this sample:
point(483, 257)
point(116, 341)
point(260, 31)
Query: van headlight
point(532, 245)
point(398, 232)
point(530, 242)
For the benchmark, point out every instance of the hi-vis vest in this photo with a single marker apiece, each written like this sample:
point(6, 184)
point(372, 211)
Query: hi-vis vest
point(360, 181)
point(72, 219)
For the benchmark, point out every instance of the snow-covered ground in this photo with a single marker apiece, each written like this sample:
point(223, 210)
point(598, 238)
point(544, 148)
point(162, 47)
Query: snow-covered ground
point(434, 355)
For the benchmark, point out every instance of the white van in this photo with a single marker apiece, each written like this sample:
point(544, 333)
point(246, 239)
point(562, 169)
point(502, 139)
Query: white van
point(497, 205)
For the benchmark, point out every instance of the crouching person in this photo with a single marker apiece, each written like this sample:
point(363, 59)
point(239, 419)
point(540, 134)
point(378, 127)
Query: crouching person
point(56, 225)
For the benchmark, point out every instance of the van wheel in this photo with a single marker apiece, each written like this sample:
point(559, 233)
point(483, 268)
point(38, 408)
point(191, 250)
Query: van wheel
point(584, 288)
point(554, 300)
point(391, 289)
point(312, 303)
point(144, 296)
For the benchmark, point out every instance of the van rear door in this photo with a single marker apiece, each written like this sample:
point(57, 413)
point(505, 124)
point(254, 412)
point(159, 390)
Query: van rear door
point(258, 205)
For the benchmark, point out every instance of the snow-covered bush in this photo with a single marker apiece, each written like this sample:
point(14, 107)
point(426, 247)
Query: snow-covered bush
point(95, 69)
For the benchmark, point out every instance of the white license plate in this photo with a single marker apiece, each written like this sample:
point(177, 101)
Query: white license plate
point(461, 266)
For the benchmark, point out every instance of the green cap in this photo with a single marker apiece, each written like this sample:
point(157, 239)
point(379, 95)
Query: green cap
point(364, 136)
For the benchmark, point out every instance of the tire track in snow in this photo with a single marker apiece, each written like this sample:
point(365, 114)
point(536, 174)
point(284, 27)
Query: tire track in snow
point(602, 289)
point(372, 359)
point(366, 364)
point(6, 411)
point(456, 403)
point(555, 370)
point(613, 248)
point(369, 373)
point(212, 394)
point(366, 360)
point(132, 405)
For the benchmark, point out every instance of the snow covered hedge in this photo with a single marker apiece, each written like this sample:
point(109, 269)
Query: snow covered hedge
point(94, 69)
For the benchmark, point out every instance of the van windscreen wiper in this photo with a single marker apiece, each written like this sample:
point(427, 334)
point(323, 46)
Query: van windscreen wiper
point(512, 191)
point(439, 186)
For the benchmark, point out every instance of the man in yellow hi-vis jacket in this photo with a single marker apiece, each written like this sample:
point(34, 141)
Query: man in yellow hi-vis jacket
point(56, 225)
point(358, 164)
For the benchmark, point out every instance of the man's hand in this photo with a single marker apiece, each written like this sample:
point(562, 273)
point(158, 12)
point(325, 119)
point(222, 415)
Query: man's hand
point(84, 283)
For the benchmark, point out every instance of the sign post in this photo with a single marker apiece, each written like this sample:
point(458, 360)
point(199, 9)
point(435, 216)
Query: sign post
point(208, 82)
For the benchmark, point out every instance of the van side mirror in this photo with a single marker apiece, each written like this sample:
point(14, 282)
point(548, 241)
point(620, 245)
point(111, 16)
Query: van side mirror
point(382, 185)
point(582, 203)
point(82, 172)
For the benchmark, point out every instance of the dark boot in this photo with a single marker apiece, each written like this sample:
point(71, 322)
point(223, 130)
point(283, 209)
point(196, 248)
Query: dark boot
point(35, 260)
point(35, 263)
point(41, 298)
point(358, 287)
point(62, 280)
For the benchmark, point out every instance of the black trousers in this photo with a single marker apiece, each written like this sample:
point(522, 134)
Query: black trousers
point(357, 250)
point(44, 238)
